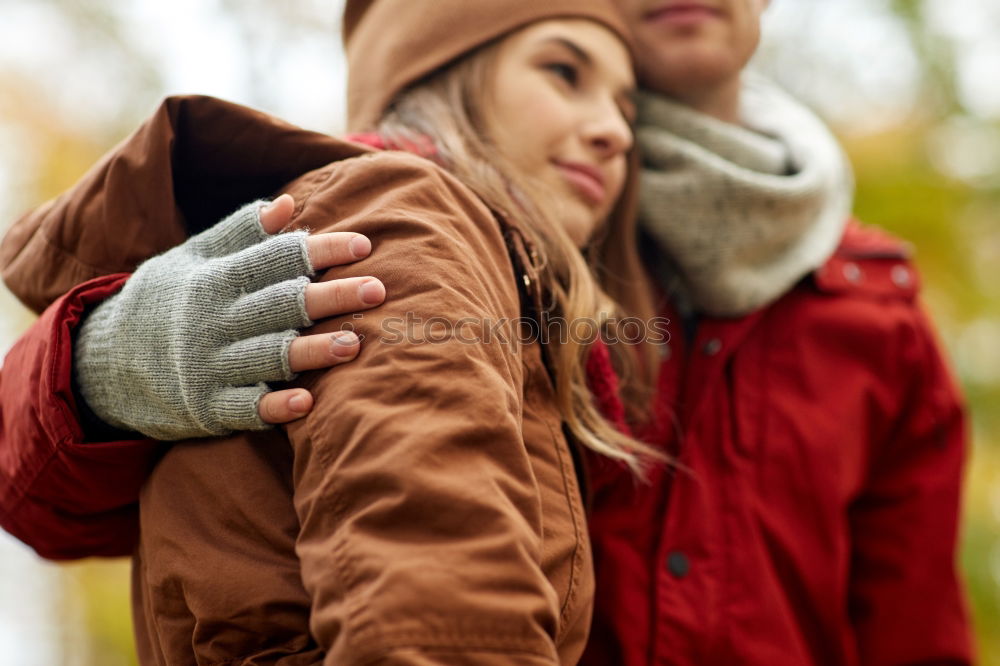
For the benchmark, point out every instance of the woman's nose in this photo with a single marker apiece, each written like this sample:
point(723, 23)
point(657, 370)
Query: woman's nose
point(608, 133)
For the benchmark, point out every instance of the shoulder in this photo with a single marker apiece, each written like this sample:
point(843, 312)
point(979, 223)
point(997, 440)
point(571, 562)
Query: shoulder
point(405, 204)
point(869, 263)
point(382, 183)
point(864, 298)
point(862, 309)
point(423, 223)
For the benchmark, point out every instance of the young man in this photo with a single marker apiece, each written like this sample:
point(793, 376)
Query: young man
point(812, 518)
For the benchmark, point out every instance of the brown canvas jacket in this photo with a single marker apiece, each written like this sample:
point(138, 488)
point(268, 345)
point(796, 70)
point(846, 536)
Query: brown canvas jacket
point(427, 511)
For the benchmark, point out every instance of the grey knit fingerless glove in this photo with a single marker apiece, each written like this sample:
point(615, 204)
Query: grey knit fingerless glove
point(183, 350)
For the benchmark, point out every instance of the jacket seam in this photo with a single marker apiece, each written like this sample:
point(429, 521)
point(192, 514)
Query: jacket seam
point(577, 545)
point(320, 177)
point(96, 270)
point(402, 640)
point(234, 661)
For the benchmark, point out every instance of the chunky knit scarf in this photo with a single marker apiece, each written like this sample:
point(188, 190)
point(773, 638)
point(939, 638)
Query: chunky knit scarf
point(741, 212)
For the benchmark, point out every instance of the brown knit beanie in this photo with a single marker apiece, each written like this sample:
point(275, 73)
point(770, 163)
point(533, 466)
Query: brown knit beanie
point(392, 44)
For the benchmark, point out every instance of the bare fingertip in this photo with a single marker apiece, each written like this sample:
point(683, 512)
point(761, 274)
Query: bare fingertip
point(372, 292)
point(300, 403)
point(282, 205)
point(344, 344)
point(360, 246)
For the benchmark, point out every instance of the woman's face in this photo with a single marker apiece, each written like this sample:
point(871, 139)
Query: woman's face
point(561, 107)
point(688, 49)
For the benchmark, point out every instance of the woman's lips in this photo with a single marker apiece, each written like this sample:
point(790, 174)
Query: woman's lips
point(681, 14)
point(586, 180)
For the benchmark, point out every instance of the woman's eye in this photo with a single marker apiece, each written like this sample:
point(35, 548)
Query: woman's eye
point(565, 71)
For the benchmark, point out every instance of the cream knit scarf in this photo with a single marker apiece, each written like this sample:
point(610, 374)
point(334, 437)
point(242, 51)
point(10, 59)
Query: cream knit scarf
point(742, 212)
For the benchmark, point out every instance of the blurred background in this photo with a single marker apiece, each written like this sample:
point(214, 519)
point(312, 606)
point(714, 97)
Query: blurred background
point(911, 86)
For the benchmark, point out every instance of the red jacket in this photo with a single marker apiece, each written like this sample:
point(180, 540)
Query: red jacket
point(812, 519)
point(812, 516)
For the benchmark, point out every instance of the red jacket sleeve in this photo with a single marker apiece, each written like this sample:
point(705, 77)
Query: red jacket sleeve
point(907, 603)
point(64, 496)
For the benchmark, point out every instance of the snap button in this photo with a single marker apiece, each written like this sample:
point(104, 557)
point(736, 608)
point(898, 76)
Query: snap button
point(712, 347)
point(526, 279)
point(852, 272)
point(901, 276)
point(678, 564)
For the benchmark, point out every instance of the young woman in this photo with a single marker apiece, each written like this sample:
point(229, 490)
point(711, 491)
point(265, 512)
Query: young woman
point(429, 513)
point(803, 391)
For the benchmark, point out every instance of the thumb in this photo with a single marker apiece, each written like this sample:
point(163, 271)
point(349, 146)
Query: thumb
point(276, 215)
point(284, 406)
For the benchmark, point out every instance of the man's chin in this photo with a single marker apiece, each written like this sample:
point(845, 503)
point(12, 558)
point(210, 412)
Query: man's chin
point(682, 74)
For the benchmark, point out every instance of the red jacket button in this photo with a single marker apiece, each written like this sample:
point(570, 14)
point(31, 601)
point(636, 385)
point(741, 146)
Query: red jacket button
point(678, 564)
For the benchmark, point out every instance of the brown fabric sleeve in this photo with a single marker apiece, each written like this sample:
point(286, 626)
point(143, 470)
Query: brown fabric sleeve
point(420, 514)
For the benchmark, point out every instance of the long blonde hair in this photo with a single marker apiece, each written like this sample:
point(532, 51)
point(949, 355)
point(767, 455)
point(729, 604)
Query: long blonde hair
point(451, 109)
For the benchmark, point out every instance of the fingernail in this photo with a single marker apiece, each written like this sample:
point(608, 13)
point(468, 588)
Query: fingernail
point(343, 344)
point(269, 207)
point(274, 204)
point(360, 247)
point(372, 292)
point(298, 404)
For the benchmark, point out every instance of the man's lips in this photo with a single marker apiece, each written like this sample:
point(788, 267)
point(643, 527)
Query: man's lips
point(588, 181)
point(681, 13)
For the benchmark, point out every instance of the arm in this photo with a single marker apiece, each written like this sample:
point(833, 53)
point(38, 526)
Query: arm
point(906, 600)
point(420, 519)
point(194, 159)
point(62, 496)
point(71, 489)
